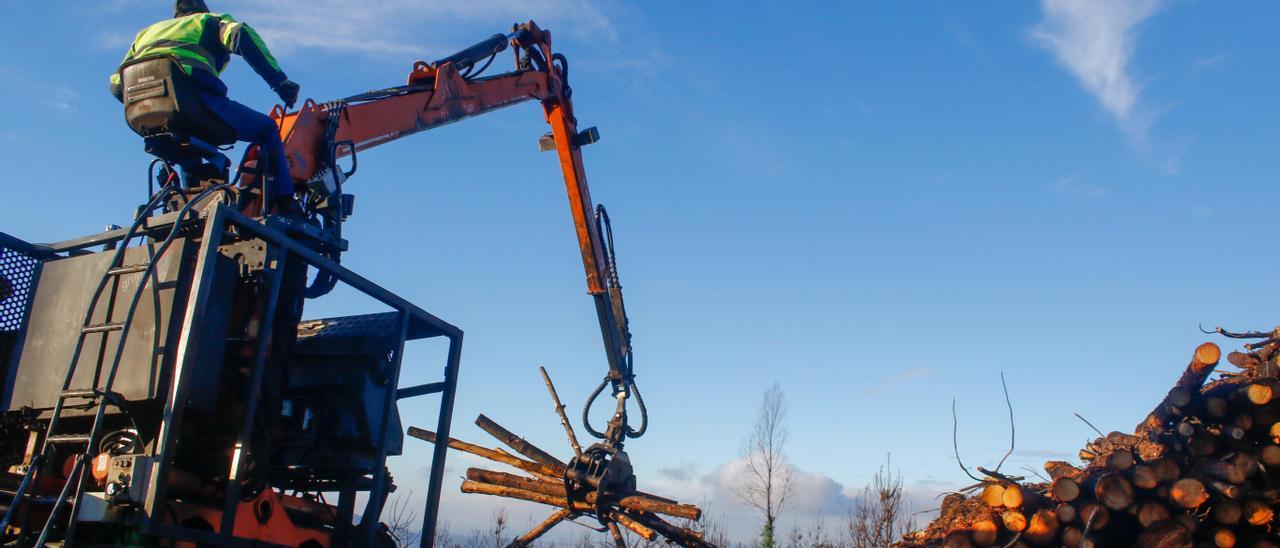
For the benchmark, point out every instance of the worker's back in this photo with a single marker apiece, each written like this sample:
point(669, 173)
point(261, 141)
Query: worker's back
point(201, 43)
point(191, 39)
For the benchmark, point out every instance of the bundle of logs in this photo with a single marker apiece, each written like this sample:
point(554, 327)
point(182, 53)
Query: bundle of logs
point(542, 480)
point(1203, 469)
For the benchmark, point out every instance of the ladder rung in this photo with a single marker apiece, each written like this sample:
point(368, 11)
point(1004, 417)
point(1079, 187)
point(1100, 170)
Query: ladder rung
point(91, 394)
point(128, 269)
point(103, 327)
point(69, 438)
point(28, 497)
point(86, 393)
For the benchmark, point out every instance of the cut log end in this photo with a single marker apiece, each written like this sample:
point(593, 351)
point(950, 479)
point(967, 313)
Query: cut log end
point(1167, 533)
point(1042, 528)
point(1145, 477)
point(1114, 492)
point(1224, 538)
point(1208, 353)
point(1094, 516)
point(1152, 512)
point(993, 495)
point(1258, 513)
point(1012, 497)
point(1227, 512)
point(1120, 460)
point(1064, 489)
point(1014, 521)
point(1188, 493)
point(985, 532)
point(1260, 393)
point(1066, 513)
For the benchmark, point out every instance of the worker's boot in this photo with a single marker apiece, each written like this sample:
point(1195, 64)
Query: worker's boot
point(287, 206)
point(287, 216)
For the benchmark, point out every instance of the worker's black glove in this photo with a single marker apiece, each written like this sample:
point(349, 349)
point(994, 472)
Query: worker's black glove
point(288, 92)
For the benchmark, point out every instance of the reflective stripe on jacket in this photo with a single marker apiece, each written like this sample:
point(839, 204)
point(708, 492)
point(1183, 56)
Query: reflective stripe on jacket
point(203, 43)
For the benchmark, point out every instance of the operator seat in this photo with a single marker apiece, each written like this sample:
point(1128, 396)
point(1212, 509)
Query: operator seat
point(161, 104)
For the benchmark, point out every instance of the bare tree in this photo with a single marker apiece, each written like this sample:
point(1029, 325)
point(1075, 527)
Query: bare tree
point(499, 525)
point(712, 529)
point(768, 484)
point(443, 538)
point(879, 515)
point(815, 536)
point(796, 540)
point(403, 521)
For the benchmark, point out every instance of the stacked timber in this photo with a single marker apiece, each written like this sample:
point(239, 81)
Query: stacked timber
point(1202, 469)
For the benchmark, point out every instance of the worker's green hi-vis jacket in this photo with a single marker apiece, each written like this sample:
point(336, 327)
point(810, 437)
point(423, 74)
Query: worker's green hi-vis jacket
point(203, 43)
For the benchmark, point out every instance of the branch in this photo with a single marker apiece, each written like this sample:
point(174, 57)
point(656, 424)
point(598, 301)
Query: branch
point(1014, 540)
point(1037, 474)
point(1260, 344)
point(1004, 478)
point(1242, 335)
point(1012, 431)
point(1086, 421)
point(955, 444)
point(564, 420)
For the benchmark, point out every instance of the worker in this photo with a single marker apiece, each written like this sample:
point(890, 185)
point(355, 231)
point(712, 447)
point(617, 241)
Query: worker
point(202, 43)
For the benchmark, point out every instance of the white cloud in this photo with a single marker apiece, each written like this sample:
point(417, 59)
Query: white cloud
point(816, 495)
point(406, 26)
point(1094, 39)
point(814, 492)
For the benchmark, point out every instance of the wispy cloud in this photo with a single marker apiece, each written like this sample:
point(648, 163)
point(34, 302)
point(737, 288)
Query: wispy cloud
point(51, 95)
point(113, 39)
point(1095, 40)
point(1203, 212)
point(684, 471)
point(1207, 62)
point(395, 27)
point(1043, 454)
point(903, 377)
point(1073, 187)
point(405, 26)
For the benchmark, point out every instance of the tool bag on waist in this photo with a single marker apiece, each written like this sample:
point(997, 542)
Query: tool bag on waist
point(160, 97)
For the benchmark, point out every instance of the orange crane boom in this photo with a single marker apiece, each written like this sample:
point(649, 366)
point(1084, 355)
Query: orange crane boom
point(450, 90)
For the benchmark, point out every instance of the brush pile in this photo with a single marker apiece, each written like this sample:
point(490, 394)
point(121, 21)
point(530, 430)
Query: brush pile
point(1203, 469)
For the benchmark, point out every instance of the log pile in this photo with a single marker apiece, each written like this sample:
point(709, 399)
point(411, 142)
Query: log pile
point(1202, 469)
point(543, 480)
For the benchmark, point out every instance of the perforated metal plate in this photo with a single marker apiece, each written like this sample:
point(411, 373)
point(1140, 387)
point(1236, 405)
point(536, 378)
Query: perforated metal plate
point(17, 276)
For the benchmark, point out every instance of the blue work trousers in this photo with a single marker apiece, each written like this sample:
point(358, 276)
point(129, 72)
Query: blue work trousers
point(257, 128)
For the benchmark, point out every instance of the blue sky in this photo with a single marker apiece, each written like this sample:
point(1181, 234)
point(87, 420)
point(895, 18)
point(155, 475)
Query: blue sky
point(879, 205)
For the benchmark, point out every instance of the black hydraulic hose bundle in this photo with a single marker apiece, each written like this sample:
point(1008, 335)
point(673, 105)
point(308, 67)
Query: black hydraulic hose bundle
point(627, 384)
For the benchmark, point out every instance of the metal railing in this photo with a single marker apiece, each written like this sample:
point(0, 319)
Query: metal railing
point(19, 262)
